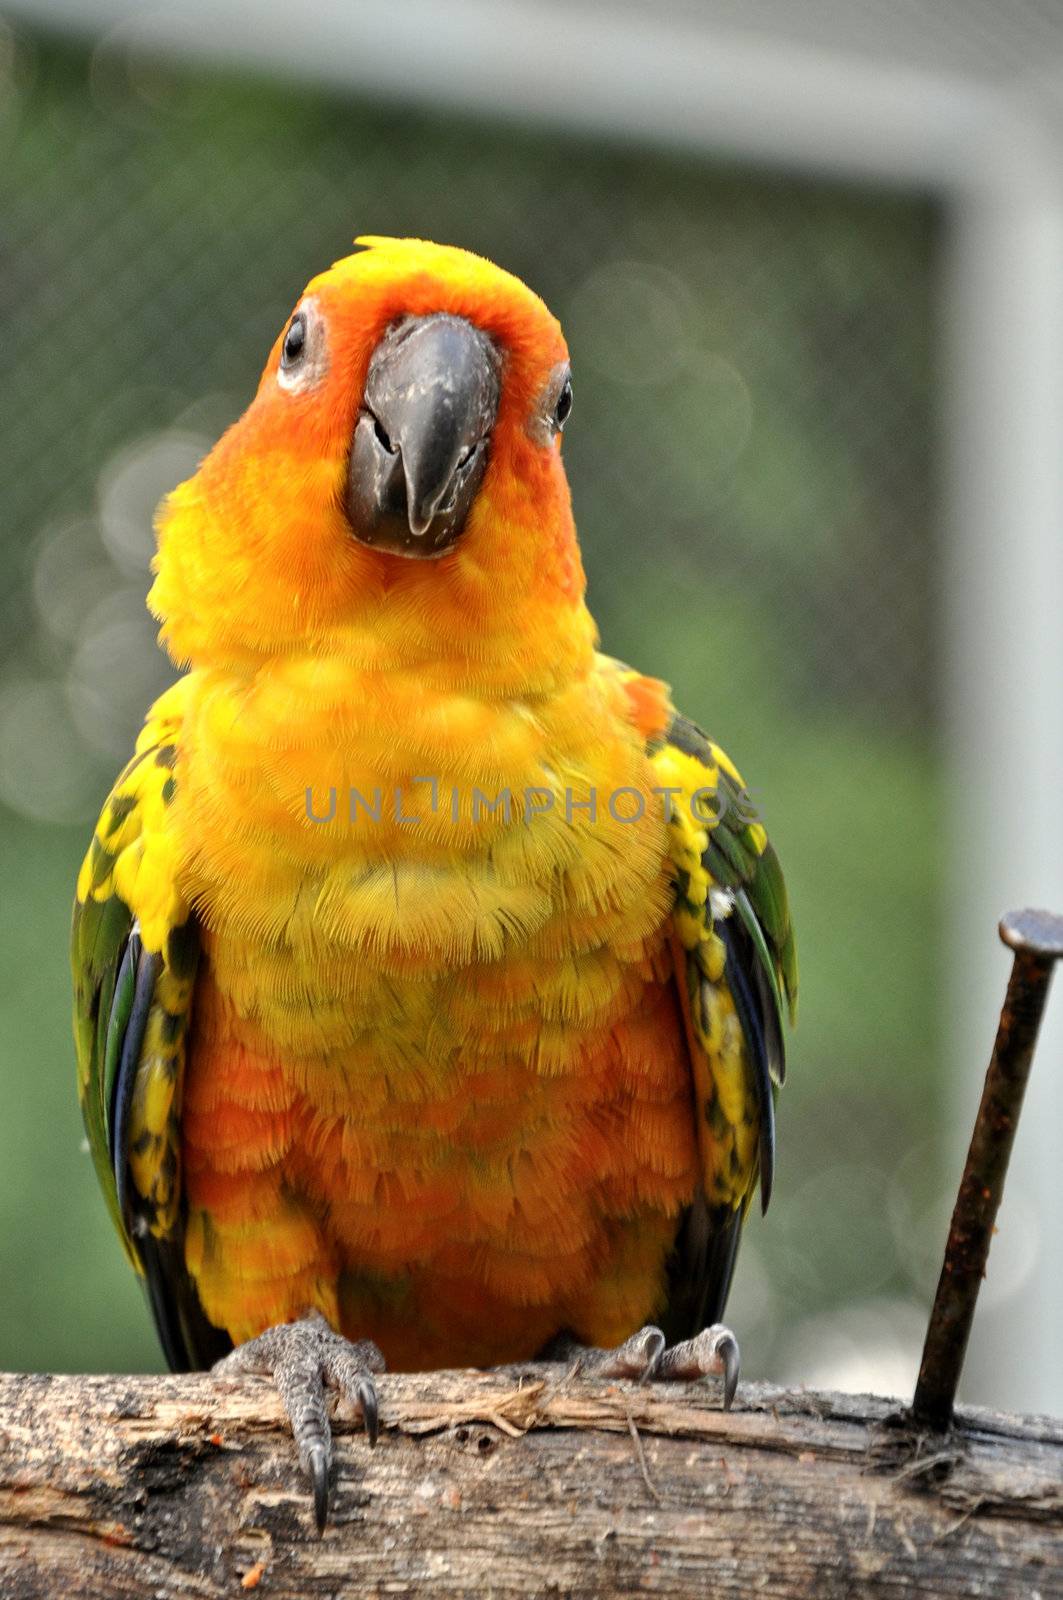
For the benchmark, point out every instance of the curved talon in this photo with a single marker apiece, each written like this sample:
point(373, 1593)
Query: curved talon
point(317, 1466)
point(367, 1399)
point(727, 1350)
point(654, 1343)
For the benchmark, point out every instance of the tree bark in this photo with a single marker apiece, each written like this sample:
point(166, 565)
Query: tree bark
point(524, 1482)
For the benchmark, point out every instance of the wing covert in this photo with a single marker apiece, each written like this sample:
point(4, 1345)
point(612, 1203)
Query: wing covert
point(736, 972)
point(134, 951)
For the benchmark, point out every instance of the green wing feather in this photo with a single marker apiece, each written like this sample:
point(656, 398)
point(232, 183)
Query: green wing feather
point(736, 967)
point(101, 1009)
point(134, 950)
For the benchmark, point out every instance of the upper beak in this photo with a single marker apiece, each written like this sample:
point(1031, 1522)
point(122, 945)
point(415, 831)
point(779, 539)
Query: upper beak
point(420, 444)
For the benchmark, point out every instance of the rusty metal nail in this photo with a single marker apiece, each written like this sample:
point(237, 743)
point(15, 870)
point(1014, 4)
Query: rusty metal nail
point(1037, 940)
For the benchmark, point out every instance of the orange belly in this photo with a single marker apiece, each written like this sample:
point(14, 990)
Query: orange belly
point(458, 1193)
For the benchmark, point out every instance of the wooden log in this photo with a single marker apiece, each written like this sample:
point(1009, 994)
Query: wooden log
point(523, 1482)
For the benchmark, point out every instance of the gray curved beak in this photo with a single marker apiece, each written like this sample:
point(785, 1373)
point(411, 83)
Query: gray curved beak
point(422, 438)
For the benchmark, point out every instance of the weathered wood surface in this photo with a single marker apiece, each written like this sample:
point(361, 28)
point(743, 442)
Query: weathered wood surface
point(527, 1482)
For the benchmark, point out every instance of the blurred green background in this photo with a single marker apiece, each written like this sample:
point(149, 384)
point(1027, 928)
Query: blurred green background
point(750, 457)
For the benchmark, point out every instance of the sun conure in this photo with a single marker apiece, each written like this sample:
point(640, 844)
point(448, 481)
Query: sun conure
point(430, 967)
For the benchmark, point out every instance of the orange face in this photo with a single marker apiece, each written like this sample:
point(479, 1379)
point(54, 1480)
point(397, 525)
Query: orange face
point(395, 488)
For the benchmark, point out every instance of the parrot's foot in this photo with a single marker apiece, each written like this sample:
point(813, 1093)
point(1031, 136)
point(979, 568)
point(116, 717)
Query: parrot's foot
point(304, 1359)
point(638, 1357)
point(712, 1353)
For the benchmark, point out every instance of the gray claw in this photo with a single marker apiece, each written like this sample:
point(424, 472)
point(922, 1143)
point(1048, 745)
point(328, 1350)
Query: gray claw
point(654, 1342)
point(370, 1409)
point(318, 1466)
point(727, 1350)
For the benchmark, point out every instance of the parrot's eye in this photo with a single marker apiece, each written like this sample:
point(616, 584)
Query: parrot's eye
point(563, 408)
point(552, 407)
point(294, 346)
point(304, 349)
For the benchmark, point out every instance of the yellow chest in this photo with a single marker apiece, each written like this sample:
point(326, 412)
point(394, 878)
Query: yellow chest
point(350, 842)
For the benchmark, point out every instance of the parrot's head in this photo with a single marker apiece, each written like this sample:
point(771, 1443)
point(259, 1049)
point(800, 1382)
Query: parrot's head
point(395, 488)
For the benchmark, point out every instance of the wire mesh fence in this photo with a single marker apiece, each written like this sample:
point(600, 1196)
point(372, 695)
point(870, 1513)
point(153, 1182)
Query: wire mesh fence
point(752, 462)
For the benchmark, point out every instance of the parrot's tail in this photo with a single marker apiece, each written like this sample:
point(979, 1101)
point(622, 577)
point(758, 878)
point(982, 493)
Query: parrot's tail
point(701, 1268)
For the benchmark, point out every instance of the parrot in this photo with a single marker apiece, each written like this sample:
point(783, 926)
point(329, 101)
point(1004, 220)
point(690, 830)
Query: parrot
point(431, 970)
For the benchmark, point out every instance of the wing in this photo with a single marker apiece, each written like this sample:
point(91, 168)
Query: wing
point(134, 952)
point(736, 970)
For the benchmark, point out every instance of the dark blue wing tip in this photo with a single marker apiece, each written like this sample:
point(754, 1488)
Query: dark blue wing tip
point(147, 972)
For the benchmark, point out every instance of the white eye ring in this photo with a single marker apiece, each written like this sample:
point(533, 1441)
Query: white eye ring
point(304, 352)
point(545, 423)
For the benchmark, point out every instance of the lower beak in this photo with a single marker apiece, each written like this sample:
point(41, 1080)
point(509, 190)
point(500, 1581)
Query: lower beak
point(422, 437)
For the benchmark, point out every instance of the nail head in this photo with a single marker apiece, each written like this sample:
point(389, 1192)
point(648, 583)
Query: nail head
point(1040, 932)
